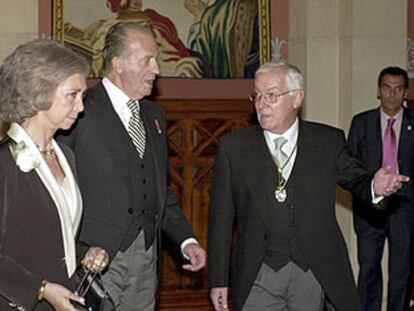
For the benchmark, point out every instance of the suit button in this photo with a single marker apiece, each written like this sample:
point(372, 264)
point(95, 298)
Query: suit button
point(265, 237)
point(144, 211)
point(130, 211)
point(145, 196)
point(144, 181)
point(142, 166)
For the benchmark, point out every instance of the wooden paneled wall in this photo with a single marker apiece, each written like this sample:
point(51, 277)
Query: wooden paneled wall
point(194, 129)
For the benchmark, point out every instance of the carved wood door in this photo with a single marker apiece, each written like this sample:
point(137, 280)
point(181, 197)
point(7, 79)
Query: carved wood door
point(194, 129)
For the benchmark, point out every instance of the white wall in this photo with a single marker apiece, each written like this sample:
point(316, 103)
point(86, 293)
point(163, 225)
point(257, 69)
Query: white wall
point(18, 23)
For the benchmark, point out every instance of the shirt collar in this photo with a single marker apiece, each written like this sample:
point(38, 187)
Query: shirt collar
point(397, 124)
point(291, 134)
point(118, 97)
point(397, 117)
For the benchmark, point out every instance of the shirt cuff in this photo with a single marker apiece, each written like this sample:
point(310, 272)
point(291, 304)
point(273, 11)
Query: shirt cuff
point(375, 199)
point(185, 243)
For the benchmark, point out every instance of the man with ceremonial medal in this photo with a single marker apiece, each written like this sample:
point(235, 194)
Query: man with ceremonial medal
point(277, 183)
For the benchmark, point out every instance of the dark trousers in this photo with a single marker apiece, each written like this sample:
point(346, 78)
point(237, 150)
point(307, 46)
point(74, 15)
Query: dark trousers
point(372, 229)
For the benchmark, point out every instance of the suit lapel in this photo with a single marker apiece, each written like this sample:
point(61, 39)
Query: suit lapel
point(113, 134)
point(374, 134)
point(302, 171)
point(259, 167)
point(303, 168)
point(406, 140)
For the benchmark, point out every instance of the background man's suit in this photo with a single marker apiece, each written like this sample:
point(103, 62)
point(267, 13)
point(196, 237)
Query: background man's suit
point(121, 196)
point(396, 221)
point(243, 187)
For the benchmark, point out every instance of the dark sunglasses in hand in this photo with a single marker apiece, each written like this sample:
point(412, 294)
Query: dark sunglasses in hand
point(92, 290)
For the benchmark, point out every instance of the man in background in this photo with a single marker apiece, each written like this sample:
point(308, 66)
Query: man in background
point(383, 137)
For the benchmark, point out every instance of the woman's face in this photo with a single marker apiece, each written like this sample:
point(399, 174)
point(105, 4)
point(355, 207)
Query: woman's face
point(67, 103)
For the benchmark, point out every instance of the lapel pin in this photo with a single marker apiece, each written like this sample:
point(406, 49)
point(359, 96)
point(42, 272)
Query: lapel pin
point(409, 127)
point(157, 125)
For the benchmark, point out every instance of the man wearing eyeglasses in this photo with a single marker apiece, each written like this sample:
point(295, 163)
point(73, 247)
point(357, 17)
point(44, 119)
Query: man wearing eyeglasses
point(380, 137)
point(276, 182)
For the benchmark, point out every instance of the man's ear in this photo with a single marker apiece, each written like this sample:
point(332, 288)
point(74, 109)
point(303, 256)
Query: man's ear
point(117, 65)
point(299, 95)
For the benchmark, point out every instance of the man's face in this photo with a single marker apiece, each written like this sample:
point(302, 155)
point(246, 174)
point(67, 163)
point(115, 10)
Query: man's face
point(279, 115)
point(138, 65)
point(392, 94)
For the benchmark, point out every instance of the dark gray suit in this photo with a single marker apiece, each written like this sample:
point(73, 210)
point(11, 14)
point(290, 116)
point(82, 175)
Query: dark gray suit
point(244, 182)
point(109, 176)
point(396, 222)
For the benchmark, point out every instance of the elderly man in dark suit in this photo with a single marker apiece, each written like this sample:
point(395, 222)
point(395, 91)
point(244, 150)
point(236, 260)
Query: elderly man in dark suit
point(121, 151)
point(277, 181)
point(380, 137)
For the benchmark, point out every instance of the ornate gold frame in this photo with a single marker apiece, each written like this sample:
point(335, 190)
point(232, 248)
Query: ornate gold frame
point(264, 30)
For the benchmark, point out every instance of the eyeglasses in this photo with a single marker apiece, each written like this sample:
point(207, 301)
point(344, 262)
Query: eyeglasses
point(270, 97)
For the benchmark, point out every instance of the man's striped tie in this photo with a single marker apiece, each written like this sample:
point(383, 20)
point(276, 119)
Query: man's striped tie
point(136, 128)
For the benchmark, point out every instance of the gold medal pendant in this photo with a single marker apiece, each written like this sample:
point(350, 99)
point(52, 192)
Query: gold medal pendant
point(280, 194)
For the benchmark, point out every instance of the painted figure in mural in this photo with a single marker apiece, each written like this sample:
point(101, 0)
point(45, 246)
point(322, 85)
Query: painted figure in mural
point(196, 8)
point(174, 59)
point(226, 36)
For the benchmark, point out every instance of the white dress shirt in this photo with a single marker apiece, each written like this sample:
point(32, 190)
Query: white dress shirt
point(289, 148)
point(119, 101)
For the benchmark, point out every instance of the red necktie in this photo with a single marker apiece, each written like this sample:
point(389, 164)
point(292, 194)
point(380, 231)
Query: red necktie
point(389, 147)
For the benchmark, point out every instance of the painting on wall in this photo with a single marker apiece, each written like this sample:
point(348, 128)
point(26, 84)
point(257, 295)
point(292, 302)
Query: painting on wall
point(217, 39)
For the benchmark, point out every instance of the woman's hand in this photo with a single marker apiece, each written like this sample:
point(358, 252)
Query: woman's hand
point(60, 297)
point(96, 259)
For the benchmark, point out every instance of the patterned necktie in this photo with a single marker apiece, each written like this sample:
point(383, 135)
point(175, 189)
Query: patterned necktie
point(136, 128)
point(389, 148)
point(280, 156)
